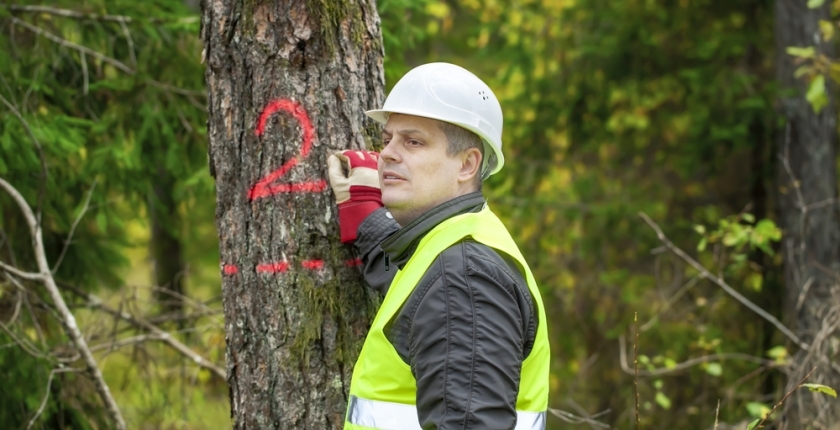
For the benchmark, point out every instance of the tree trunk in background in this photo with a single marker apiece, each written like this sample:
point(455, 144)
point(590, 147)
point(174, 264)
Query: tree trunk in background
point(807, 148)
point(166, 249)
point(288, 82)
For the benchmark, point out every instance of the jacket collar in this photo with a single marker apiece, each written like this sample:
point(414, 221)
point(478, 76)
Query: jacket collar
point(401, 246)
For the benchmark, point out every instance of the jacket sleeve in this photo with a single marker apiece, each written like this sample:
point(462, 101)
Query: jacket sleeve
point(466, 343)
point(377, 227)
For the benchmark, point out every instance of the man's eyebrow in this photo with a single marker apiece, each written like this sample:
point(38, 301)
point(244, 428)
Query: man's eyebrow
point(407, 131)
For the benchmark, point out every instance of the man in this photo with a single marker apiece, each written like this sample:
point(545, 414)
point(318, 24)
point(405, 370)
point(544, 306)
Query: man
point(460, 339)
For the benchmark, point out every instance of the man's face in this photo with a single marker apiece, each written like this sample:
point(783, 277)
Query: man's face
point(415, 172)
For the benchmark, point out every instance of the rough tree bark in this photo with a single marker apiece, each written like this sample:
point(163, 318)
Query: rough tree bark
point(807, 187)
point(295, 309)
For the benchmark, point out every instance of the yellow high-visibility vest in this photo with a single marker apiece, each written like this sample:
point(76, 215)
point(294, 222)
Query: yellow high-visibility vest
point(383, 391)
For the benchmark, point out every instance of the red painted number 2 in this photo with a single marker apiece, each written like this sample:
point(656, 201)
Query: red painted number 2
point(266, 186)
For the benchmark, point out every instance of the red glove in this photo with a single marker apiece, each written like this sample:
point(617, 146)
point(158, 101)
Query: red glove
point(357, 192)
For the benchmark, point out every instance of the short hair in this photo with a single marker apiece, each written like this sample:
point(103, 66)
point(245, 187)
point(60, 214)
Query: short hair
point(460, 139)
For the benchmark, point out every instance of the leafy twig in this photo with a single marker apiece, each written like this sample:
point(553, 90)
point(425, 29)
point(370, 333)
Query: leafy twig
point(799, 384)
point(720, 282)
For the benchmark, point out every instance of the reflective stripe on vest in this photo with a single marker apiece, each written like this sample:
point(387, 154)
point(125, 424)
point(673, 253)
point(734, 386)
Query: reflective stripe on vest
point(396, 416)
point(381, 377)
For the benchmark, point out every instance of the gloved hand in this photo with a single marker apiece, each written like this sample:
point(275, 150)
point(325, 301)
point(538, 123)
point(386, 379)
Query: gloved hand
point(357, 192)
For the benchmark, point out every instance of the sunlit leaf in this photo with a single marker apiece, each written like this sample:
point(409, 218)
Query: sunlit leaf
point(808, 52)
point(778, 353)
point(816, 94)
point(663, 400)
point(813, 4)
point(754, 281)
point(753, 424)
point(818, 388)
point(758, 410)
point(827, 29)
point(714, 369)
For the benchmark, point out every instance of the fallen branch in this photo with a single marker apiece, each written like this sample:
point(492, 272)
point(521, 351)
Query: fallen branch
point(67, 319)
point(720, 282)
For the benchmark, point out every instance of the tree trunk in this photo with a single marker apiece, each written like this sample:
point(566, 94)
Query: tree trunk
point(166, 253)
point(288, 82)
point(807, 186)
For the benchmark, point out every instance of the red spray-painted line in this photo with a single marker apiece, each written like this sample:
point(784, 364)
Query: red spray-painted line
point(283, 266)
point(263, 187)
point(280, 266)
point(312, 264)
point(302, 187)
point(355, 262)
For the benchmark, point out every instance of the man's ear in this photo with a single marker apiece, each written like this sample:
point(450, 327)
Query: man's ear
point(470, 165)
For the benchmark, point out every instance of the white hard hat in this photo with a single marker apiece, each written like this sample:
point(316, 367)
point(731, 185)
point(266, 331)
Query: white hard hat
point(450, 93)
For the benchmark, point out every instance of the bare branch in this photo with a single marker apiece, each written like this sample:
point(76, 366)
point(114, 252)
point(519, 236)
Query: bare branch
point(24, 344)
point(689, 363)
point(66, 43)
point(720, 282)
point(130, 42)
point(20, 273)
point(66, 317)
point(47, 394)
point(73, 229)
point(688, 285)
point(119, 343)
point(574, 419)
point(68, 13)
point(95, 302)
point(21, 291)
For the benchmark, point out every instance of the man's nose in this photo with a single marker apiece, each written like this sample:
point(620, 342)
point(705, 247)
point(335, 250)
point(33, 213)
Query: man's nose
point(389, 153)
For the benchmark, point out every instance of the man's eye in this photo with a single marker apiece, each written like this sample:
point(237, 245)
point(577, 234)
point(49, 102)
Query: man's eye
point(385, 141)
point(413, 142)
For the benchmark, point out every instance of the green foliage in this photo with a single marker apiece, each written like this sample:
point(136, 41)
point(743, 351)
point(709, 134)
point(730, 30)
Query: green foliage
point(736, 232)
point(115, 125)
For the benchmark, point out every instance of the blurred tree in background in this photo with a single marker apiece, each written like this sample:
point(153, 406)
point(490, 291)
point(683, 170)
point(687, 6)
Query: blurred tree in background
point(678, 109)
point(103, 133)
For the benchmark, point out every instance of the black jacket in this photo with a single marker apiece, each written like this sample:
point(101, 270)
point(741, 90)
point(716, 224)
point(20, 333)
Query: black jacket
point(465, 329)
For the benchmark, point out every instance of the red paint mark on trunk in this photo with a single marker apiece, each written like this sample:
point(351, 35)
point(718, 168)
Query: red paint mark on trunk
point(264, 187)
point(230, 269)
point(313, 264)
point(279, 266)
point(355, 262)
